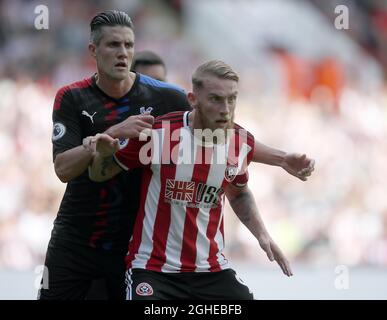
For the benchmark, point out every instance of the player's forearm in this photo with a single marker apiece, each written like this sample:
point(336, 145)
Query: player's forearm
point(246, 210)
point(131, 127)
point(267, 155)
point(72, 163)
point(103, 168)
point(115, 131)
point(124, 129)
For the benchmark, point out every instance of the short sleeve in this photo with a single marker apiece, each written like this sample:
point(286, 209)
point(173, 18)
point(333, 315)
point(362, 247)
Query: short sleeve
point(243, 176)
point(135, 154)
point(176, 100)
point(67, 132)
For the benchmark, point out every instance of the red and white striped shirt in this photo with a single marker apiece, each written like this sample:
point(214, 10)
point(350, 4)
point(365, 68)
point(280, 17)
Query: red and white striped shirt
point(179, 226)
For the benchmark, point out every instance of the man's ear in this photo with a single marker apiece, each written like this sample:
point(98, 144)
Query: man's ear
point(192, 99)
point(92, 50)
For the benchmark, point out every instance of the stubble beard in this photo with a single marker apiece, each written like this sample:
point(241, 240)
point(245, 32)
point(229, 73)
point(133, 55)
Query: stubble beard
point(217, 139)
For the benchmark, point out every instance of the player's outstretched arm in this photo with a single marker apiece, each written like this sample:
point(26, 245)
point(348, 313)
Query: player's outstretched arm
point(296, 164)
point(243, 203)
point(103, 166)
point(73, 162)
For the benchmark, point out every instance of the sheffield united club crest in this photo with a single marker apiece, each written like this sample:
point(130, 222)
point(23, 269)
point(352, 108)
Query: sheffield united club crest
point(231, 172)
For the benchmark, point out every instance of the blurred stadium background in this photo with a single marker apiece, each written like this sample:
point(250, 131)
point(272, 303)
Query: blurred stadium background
point(306, 86)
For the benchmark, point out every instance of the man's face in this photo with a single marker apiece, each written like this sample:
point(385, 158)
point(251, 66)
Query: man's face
point(156, 71)
point(114, 52)
point(215, 102)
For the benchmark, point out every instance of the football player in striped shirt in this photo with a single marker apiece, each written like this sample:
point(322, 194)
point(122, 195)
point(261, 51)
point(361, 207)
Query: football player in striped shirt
point(192, 160)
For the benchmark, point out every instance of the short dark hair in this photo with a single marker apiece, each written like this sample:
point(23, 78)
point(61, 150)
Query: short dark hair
point(109, 18)
point(146, 58)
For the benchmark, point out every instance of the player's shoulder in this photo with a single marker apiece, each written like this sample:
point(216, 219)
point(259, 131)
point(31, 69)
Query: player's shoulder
point(65, 91)
point(174, 118)
point(81, 84)
point(243, 133)
point(159, 85)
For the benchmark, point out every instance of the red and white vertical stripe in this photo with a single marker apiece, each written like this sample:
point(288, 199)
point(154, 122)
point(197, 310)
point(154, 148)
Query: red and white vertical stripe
point(181, 237)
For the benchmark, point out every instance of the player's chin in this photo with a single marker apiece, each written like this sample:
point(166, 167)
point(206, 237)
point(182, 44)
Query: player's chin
point(230, 125)
point(120, 74)
point(226, 126)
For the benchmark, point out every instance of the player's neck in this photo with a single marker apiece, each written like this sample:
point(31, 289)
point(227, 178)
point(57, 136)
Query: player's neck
point(196, 126)
point(194, 121)
point(115, 88)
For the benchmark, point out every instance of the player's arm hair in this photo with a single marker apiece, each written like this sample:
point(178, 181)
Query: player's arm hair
point(72, 163)
point(243, 203)
point(103, 168)
point(267, 155)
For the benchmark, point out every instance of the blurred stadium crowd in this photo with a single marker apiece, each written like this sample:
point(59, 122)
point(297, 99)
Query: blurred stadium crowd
point(315, 104)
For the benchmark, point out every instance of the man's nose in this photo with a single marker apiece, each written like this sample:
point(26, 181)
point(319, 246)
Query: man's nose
point(122, 51)
point(225, 108)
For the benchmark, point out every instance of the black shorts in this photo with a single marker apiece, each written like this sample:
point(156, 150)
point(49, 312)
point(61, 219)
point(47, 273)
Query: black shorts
point(150, 285)
point(70, 272)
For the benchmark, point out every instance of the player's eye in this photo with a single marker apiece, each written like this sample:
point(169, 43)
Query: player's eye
point(231, 99)
point(215, 99)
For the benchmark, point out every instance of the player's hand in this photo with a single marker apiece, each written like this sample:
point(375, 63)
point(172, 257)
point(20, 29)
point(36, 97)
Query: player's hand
point(88, 144)
point(105, 145)
point(132, 127)
point(273, 252)
point(298, 165)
